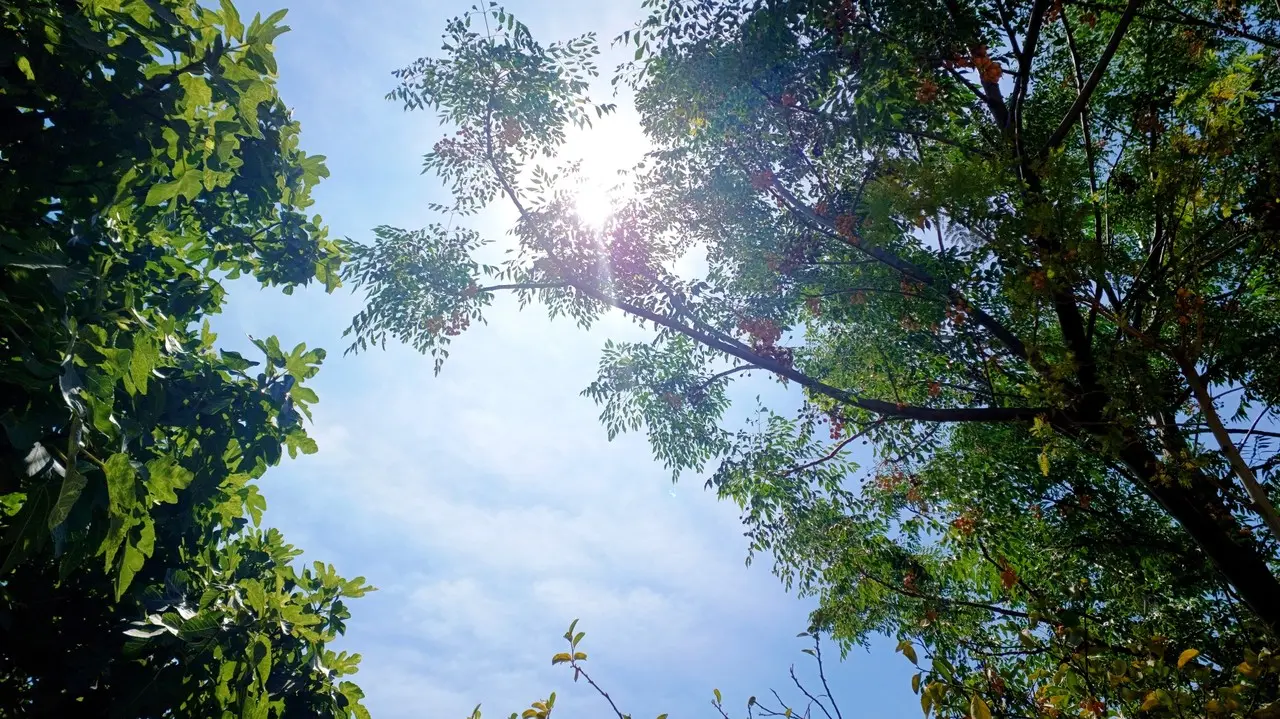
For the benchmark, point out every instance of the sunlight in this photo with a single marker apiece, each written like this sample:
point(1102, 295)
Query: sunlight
point(593, 203)
point(614, 143)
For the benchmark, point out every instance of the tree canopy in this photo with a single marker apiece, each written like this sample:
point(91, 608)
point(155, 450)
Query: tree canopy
point(1024, 250)
point(145, 159)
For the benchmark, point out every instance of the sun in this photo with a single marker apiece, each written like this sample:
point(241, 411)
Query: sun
point(593, 203)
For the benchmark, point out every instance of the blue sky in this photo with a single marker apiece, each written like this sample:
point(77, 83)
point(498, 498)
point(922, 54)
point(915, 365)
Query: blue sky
point(486, 503)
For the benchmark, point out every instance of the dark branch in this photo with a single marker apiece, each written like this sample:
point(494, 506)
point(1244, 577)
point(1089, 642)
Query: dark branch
point(815, 221)
point(1100, 69)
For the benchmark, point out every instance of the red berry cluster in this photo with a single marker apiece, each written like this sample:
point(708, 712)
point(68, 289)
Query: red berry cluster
point(511, 132)
point(1188, 305)
point(964, 524)
point(792, 258)
point(456, 323)
point(891, 481)
point(837, 426)
point(629, 259)
point(764, 334)
point(847, 227)
point(958, 312)
point(763, 179)
point(463, 147)
point(927, 92)
point(989, 70)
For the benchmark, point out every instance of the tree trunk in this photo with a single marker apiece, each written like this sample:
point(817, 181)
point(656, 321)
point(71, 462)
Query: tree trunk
point(1241, 566)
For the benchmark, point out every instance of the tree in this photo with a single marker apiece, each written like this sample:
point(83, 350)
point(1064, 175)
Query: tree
point(1025, 251)
point(146, 157)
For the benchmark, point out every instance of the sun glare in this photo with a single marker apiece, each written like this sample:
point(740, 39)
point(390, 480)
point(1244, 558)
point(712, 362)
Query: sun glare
point(613, 144)
point(593, 204)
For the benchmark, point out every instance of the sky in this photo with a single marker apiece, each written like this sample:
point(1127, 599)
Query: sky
point(486, 503)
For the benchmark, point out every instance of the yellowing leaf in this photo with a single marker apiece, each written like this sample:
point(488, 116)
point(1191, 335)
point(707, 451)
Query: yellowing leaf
point(909, 652)
point(1187, 656)
point(717, 693)
point(1151, 701)
point(926, 702)
point(915, 683)
point(978, 709)
point(1044, 463)
point(561, 658)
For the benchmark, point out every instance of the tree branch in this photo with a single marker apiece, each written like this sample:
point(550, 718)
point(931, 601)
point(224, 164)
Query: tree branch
point(834, 450)
point(876, 406)
point(1100, 69)
point(1183, 18)
point(524, 286)
point(1242, 470)
point(815, 221)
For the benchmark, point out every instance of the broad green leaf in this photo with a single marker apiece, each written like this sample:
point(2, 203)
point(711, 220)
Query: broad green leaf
point(254, 595)
point(198, 93)
point(24, 66)
point(231, 19)
point(161, 193)
point(262, 660)
point(72, 485)
point(143, 360)
point(73, 481)
point(165, 478)
point(121, 483)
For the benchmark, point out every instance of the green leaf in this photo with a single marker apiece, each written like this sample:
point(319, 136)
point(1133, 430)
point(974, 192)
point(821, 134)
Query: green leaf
point(262, 660)
point(142, 361)
point(73, 482)
point(161, 193)
point(255, 504)
point(189, 185)
point(716, 692)
point(24, 66)
point(121, 484)
point(73, 485)
point(231, 19)
point(135, 556)
point(254, 595)
point(165, 478)
point(198, 94)
point(117, 531)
